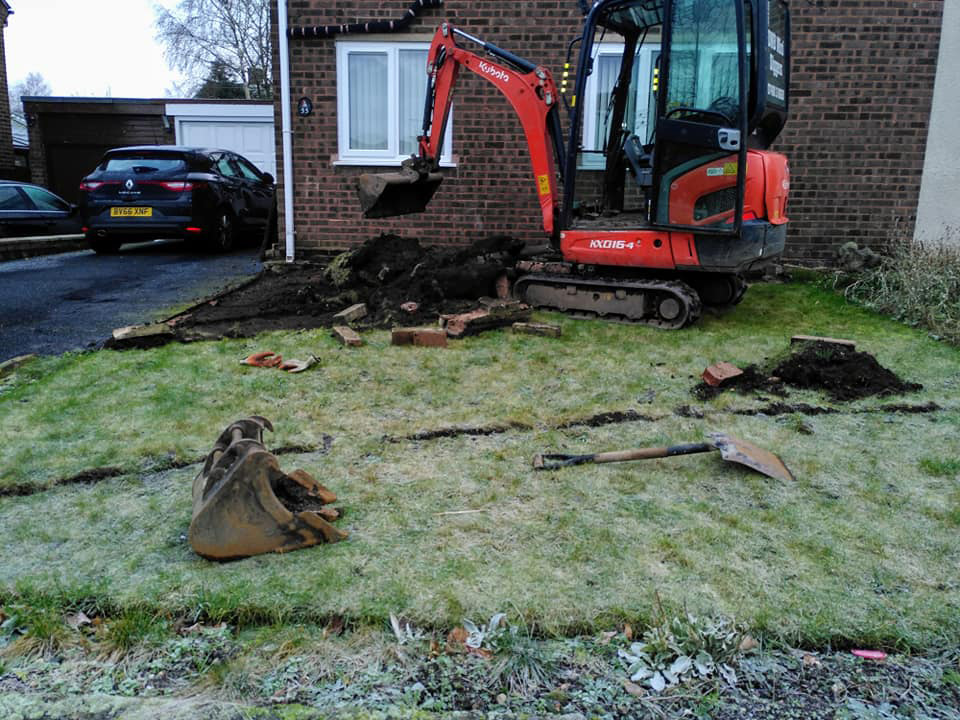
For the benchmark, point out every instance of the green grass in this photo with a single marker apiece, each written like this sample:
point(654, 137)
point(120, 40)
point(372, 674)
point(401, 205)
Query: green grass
point(858, 550)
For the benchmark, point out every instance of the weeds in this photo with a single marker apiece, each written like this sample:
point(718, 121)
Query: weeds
point(34, 628)
point(676, 650)
point(914, 283)
point(519, 663)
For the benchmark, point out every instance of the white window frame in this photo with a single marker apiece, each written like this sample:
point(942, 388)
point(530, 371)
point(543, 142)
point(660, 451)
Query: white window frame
point(644, 59)
point(391, 155)
point(645, 67)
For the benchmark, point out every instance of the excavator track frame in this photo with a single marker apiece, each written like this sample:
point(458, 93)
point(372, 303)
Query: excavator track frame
point(664, 304)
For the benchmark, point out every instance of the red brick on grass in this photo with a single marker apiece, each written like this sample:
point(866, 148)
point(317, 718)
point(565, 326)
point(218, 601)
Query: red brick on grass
point(430, 337)
point(720, 373)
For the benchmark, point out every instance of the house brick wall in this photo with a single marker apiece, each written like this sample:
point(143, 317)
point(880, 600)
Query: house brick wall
point(7, 166)
point(862, 83)
point(861, 91)
point(490, 191)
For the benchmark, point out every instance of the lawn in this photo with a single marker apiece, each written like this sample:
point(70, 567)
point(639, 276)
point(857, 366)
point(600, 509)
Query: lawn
point(861, 548)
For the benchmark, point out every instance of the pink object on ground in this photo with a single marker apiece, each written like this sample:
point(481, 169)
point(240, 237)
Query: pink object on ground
point(870, 654)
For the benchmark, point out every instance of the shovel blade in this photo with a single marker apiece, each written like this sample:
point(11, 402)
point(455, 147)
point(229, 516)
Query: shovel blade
point(399, 193)
point(733, 449)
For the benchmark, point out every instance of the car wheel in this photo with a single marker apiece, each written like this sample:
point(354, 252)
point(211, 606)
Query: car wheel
point(103, 246)
point(224, 234)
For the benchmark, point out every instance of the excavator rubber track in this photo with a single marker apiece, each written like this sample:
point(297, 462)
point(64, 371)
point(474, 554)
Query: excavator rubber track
point(665, 304)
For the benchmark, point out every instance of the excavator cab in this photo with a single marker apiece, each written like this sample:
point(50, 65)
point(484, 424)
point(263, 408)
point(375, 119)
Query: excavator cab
point(670, 95)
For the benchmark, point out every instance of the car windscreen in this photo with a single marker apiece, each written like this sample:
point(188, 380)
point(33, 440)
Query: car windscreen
point(144, 163)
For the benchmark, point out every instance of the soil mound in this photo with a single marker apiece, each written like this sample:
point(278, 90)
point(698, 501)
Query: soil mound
point(384, 273)
point(844, 374)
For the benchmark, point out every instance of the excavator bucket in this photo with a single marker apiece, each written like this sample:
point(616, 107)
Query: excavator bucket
point(397, 193)
point(244, 504)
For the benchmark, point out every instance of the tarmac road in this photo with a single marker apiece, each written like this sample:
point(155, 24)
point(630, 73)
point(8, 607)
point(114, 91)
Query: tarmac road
point(73, 301)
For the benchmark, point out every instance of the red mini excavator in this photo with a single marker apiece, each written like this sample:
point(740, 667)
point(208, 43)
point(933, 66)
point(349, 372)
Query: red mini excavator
point(664, 192)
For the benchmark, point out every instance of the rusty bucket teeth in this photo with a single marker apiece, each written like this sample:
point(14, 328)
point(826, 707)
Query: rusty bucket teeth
point(244, 504)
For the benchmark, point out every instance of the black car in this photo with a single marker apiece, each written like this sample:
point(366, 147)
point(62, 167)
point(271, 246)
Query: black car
point(27, 210)
point(167, 191)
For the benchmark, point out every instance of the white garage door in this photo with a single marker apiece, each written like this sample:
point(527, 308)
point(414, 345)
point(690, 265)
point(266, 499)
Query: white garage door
point(245, 129)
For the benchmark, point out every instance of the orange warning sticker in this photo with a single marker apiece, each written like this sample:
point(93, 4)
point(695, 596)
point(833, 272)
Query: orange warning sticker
point(544, 183)
point(730, 168)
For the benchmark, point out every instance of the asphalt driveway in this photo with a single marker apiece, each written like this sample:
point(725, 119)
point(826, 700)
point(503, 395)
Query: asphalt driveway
point(56, 303)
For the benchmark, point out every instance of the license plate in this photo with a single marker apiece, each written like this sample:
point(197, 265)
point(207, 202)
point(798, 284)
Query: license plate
point(131, 212)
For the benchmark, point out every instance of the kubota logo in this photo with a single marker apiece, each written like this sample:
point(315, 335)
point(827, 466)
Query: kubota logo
point(611, 245)
point(493, 72)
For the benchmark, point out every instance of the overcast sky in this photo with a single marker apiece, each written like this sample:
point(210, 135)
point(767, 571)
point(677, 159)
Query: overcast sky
point(88, 47)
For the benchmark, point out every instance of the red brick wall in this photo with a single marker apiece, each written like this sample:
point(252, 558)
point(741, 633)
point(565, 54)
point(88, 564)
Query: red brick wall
point(862, 87)
point(861, 90)
point(490, 191)
point(7, 168)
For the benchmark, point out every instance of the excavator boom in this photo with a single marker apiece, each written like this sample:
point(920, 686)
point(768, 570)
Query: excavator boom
point(529, 88)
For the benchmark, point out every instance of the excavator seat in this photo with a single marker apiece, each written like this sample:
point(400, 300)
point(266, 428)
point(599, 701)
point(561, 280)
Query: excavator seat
point(640, 157)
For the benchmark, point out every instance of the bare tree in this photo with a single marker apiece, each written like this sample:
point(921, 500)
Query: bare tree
point(33, 85)
point(229, 34)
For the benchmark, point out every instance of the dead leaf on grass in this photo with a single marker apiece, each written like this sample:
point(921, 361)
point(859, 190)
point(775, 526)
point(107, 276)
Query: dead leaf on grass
point(633, 689)
point(76, 620)
point(606, 637)
point(334, 627)
point(810, 661)
point(748, 644)
point(627, 631)
point(457, 640)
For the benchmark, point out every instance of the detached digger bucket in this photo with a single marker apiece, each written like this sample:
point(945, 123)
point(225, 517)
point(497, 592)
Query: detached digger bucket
point(397, 193)
point(244, 504)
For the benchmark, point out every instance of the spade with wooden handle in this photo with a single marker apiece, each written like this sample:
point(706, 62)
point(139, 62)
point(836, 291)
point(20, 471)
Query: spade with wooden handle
point(732, 449)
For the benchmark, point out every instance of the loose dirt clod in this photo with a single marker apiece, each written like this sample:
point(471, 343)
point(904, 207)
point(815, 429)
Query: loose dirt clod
point(399, 281)
point(839, 370)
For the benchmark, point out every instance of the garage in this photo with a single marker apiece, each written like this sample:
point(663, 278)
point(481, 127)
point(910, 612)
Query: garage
point(245, 128)
point(68, 136)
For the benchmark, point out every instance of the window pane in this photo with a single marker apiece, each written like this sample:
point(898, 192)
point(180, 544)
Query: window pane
point(413, 90)
point(606, 69)
point(45, 200)
point(700, 72)
point(369, 107)
point(10, 199)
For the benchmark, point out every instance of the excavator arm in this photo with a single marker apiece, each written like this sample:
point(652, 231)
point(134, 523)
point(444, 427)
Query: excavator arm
point(529, 88)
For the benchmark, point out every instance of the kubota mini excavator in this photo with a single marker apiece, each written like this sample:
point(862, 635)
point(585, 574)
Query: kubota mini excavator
point(681, 100)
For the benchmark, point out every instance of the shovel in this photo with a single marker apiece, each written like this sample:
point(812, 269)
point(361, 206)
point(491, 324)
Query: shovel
point(731, 448)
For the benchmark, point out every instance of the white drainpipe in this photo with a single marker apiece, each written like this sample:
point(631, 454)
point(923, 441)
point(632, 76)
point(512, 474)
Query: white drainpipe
point(286, 130)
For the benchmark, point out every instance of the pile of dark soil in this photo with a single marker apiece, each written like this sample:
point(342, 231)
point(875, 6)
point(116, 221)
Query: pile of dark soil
point(843, 373)
point(385, 273)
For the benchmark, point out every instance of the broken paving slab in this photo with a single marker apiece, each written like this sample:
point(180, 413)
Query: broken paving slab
point(140, 336)
point(542, 329)
point(347, 336)
point(351, 314)
point(825, 340)
point(493, 313)
point(8, 366)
